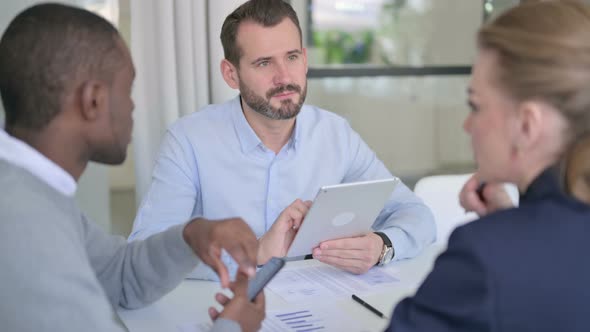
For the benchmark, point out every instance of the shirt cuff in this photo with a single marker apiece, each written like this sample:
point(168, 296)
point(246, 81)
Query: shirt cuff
point(399, 240)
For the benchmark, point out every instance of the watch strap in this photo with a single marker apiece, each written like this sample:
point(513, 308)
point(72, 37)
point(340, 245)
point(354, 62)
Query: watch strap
point(387, 246)
point(386, 240)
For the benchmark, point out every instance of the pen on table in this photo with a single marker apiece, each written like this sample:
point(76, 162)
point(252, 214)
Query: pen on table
point(368, 306)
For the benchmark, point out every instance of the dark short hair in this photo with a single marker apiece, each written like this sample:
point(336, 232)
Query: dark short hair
point(267, 13)
point(44, 51)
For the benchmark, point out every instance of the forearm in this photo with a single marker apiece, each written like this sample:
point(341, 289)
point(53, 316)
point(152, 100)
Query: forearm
point(138, 273)
point(158, 265)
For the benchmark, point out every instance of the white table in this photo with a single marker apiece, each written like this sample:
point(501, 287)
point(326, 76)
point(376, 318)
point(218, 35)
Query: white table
point(190, 300)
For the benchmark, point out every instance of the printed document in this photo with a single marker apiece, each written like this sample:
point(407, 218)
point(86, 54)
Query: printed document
point(324, 281)
point(295, 320)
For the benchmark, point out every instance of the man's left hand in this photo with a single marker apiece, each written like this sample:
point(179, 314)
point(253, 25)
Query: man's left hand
point(278, 239)
point(356, 254)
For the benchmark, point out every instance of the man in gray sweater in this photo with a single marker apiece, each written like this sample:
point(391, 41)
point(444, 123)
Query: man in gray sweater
point(65, 82)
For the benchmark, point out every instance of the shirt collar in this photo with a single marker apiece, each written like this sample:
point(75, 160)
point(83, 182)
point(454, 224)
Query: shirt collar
point(20, 154)
point(296, 135)
point(247, 136)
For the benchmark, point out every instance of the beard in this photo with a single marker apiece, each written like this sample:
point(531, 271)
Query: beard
point(261, 105)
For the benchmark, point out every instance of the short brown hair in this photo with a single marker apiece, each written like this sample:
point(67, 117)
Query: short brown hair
point(267, 13)
point(543, 52)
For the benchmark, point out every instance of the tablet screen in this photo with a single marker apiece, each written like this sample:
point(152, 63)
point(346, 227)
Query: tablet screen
point(340, 211)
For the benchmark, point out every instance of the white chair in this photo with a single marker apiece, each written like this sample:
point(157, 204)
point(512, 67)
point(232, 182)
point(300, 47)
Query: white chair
point(441, 194)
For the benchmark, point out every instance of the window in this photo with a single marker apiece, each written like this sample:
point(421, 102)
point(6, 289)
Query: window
point(398, 71)
point(392, 32)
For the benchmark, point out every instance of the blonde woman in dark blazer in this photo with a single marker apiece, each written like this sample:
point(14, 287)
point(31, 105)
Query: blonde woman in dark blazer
point(524, 268)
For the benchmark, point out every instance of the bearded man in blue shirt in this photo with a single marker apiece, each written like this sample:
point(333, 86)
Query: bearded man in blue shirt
point(262, 155)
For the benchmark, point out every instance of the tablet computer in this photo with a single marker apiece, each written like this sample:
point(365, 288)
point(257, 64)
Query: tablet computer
point(340, 211)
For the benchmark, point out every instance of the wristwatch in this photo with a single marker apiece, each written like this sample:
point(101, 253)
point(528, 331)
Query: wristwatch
point(387, 252)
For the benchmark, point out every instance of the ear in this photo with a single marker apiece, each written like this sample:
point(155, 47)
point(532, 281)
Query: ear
point(93, 100)
point(529, 125)
point(230, 74)
point(304, 53)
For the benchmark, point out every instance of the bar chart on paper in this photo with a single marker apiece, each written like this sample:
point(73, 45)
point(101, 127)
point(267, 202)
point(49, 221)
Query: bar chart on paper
point(308, 320)
point(295, 320)
point(299, 321)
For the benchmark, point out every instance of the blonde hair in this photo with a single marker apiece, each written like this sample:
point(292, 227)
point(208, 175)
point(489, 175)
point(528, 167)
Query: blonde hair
point(543, 53)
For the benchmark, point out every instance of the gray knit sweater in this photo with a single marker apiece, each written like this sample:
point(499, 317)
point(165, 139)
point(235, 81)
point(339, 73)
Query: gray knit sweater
point(60, 272)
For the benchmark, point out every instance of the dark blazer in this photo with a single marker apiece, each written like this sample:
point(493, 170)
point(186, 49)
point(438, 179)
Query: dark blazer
point(522, 269)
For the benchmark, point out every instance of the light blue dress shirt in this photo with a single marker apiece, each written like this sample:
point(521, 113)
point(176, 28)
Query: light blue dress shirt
point(213, 165)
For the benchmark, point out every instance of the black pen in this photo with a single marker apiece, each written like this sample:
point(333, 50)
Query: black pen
point(368, 306)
